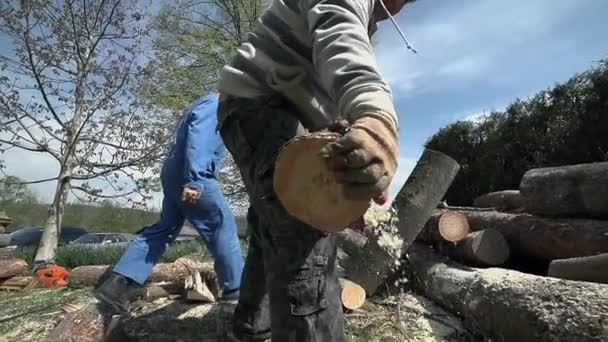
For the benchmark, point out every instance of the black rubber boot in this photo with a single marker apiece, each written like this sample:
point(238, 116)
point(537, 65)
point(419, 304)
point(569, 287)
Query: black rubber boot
point(230, 296)
point(114, 292)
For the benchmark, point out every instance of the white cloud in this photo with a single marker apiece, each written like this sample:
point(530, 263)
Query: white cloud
point(461, 40)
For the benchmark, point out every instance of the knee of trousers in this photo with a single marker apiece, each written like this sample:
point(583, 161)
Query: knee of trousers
point(307, 289)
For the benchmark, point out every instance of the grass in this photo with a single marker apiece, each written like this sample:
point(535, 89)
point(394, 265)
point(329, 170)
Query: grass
point(71, 256)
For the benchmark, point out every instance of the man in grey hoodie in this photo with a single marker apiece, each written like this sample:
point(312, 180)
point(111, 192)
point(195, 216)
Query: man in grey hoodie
point(306, 65)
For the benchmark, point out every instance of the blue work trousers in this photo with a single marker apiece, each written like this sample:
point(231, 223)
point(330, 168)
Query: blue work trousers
point(213, 220)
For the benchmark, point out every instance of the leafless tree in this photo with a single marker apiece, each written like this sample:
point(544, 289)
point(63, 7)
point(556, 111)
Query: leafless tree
point(65, 91)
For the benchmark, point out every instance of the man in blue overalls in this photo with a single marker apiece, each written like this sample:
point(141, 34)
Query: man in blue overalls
point(189, 178)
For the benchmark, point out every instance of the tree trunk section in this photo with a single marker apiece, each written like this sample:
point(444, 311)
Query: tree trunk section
point(453, 226)
point(47, 248)
point(351, 294)
point(162, 272)
point(567, 191)
point(427, 184)
point(12, 267)
point(592, 268)
point(501, 200)
point(8, 253)
point(537, 237)
point(486, 247)
point(506, 305)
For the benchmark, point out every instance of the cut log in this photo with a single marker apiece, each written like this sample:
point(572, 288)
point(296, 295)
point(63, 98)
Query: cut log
point(352, 294)
point(370, 265)
point(197, 289)
point(537, 237)
point(592, 268)
point(90, 324)
point(487, 247)
point(5, 239)
point(162, 272)
point(501, 200)
point(307, 188)
point(453, 226)
point(8, 253)
point(505, 305)
point(12, 267)
point(567, 191)
point(155, 291)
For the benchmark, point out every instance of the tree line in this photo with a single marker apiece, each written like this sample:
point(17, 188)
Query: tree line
point(565, 124)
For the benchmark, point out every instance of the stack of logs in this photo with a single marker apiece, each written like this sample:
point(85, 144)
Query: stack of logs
point(13, 270)
point(522, 265)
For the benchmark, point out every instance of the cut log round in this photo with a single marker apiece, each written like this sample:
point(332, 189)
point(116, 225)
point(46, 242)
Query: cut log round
point(501, 200)
point(308, 190)
point(567, 191)
point(12, 267)
point(162, 272)
point(592, 268)
point(453, 226)
point(505, 305)
point(427, 184)
point(352, 295)
point(537, 237)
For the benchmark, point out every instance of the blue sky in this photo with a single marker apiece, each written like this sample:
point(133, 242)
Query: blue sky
point(474, 56)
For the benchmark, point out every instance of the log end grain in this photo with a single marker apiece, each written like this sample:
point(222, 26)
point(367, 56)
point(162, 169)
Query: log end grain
point(309, 190)
point(453, 226)
point(352, 295)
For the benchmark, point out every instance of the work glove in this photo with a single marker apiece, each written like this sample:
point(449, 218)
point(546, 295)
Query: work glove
point(365, 157)
point(190, 195)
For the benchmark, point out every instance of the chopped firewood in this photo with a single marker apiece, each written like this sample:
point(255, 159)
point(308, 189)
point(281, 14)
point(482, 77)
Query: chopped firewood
point(307, 188)
point(453, 226)
point(155, 291)
point(197, 289)
point(19, 283)
point(591, 268)
point(71, 308)
point(352, 294)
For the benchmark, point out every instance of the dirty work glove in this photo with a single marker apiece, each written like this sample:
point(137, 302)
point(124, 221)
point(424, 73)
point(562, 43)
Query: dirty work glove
point(190, 195)
point(365, 157)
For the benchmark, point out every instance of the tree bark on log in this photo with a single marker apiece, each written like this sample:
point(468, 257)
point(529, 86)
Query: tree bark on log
point(8, 253)
point(501, 200)
point(5, 239)
point(89, 324)
point(591, 268)
point(370, 265)
point(567, 191)
point(12, 267)
point(486, 247)
point(162, 272)
point(507, 305)
point(537, 237)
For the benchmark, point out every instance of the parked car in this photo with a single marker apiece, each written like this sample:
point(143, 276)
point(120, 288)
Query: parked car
point(103, 239)
point(30, 236)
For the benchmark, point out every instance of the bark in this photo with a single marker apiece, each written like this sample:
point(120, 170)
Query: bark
point(8, 253)
point(5, 239)
point(162, 272)
point(567, 191)
point(537, 237)
point(501, 200)
point(12, 267)
point(47, 248)
point(506, 305)
point(486, 247)
point(370, 265)
point(592, 268)
point(90, 324)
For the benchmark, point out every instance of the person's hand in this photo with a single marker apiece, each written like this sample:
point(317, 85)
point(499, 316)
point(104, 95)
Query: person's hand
point(190, 195)
point(365, 157)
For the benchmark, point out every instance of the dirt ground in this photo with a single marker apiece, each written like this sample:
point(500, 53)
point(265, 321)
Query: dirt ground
point(30, 315)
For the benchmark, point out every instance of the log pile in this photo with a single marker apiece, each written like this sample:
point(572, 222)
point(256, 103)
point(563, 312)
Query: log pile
point(470, 259)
